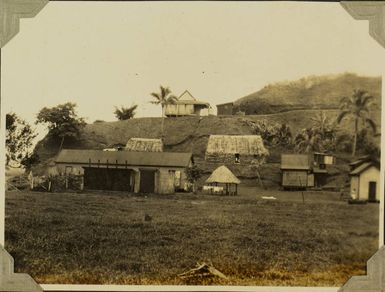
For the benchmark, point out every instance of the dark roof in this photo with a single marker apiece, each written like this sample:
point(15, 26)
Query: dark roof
point(319, 170)
point(296, 161)
point(195, 102)
point(364, 166)
point(227, 103)
point(171, 159)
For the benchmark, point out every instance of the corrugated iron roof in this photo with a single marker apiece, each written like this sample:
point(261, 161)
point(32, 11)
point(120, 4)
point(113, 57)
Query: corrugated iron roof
point(296, 161)
point(171, 159)
point(363, 167)
point(187, 98)
point(319, 170)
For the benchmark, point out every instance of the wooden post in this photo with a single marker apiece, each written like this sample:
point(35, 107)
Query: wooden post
point(300, 183)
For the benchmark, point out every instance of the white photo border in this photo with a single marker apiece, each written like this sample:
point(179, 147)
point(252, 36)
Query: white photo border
point(11, 11)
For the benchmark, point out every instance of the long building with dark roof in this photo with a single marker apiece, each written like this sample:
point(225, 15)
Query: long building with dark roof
point(139, 172)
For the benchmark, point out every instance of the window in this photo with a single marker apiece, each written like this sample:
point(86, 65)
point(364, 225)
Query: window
point(237, 158)
point(68, 170)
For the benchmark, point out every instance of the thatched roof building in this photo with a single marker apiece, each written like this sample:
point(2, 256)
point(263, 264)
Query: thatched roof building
point(238, 148)
point(224, 181)
point(144, 145)
point(223, 175)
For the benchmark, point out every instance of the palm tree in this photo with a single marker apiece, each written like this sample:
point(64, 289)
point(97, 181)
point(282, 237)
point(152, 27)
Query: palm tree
point(358, 107)
point(326, 129)
point(307, 141)
point(125, 113)
point(164, 97)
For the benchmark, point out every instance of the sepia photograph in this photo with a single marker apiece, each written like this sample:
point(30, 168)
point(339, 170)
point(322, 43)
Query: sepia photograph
point(192, 143)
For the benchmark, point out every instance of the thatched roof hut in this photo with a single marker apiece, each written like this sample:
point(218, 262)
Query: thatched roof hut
point(223, 148)
point(223, 176)
point(241, 144)
point(144, 145)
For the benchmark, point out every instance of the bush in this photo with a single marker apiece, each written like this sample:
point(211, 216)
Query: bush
point(58, 183)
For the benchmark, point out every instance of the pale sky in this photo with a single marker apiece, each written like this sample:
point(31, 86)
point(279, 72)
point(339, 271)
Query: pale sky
point(102, 54)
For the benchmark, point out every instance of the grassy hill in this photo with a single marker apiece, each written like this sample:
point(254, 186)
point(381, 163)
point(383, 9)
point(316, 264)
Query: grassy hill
point(308, 93)
point(185, 134)
point(189, 134)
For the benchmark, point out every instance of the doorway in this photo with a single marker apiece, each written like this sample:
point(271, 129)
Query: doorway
point(147, 181)
point(372, 191)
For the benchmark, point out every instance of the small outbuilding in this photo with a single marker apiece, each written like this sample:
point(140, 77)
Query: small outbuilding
point(223, 178)
point(296, 171)
point(365, 180)
point(235, 149)
point(225, 109)
point(144, 145)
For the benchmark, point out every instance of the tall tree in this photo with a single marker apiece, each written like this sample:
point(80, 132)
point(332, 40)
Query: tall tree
point(163, 98)
point(357, 106)
point(62, 121)
point(326, 130)
point(307, 141)
point(19, 138)
point(125, 113)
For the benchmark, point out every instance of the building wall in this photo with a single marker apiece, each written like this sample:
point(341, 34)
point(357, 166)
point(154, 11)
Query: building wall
point(371, 174)
point(63, 169)
point(295, 178)
point(229, 158)
point(179, 109)
point(165, 179)
point(225, 109)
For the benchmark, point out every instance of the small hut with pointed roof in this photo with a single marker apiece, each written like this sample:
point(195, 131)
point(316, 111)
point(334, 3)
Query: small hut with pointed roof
point(223, 177)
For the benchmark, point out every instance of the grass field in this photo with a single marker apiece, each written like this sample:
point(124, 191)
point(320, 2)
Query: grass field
point(102, 238)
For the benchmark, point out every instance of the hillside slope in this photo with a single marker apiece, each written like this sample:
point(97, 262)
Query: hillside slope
point(183, 134)
point(308, 93)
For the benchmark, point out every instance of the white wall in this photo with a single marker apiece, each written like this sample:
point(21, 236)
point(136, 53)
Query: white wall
point(371, 174)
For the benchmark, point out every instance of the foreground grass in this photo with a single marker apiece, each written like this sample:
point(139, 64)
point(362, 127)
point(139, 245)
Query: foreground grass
point(103, 238)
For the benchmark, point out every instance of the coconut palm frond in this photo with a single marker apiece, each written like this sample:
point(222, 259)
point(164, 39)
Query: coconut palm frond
point(341, 116)
point(367, 100)
point(172, 99)
point(156, 95)
point(372, 124)
point(164, 91)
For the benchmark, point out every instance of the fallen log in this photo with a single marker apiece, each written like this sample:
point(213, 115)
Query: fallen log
point(203, 270)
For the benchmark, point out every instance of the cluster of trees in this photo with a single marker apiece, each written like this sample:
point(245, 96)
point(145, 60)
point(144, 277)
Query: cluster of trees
point(61, 121)
point(63, 124)
point(322, 135)
point(18, 140)
point(273, 134)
